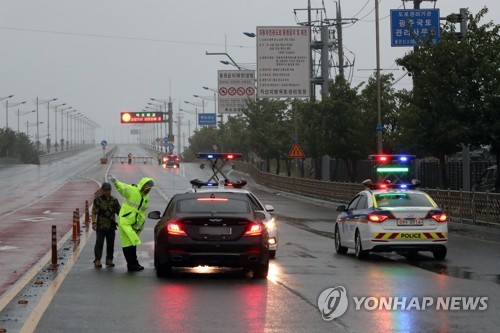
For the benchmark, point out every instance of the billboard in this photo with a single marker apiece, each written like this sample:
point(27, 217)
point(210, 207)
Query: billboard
point(283, 62)
point(235, 87)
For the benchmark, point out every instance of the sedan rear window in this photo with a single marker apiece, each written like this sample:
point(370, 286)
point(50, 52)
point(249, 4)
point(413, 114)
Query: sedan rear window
point(215, 205)
point(402, 200)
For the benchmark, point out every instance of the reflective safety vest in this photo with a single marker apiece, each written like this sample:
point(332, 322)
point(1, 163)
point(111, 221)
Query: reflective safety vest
point(133, 212)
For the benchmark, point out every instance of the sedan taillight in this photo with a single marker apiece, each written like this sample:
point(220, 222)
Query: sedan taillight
point(440, 217)
point(254, 229)
point(377, 218)
point(175, 228)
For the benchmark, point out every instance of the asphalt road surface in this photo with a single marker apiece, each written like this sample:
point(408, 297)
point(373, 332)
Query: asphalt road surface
point(80, 298)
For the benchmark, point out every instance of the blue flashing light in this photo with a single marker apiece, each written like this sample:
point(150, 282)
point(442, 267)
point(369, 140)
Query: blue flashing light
point(226, 156)
point(392, 158)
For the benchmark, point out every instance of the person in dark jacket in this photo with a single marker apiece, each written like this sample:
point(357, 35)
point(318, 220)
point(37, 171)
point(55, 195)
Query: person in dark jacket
point(104, 209)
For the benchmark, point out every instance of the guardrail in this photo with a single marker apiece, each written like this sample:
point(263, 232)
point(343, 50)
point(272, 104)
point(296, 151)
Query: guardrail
point(479, 208)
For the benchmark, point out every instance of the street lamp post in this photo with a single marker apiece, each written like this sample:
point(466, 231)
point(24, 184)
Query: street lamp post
point(22, 114)
point(170, 115)
point(62, 126)
point(38, 102)
point(55, 122)
point(28, 124)
point(379, 89)
point(7, 110)
point(7, 107)
point(195, 112)
point(48, 124)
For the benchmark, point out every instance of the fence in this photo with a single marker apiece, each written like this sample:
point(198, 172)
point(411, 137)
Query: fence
point(466, 207)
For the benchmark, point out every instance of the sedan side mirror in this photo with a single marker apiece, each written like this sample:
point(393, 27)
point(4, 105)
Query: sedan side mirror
point(154, 215)
point(269, 208)
point(341, 208)
point(260, 215)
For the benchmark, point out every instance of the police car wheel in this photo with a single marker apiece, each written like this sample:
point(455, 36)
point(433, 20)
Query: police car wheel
point(440, 253)
point(360, 253)
point(338, 245)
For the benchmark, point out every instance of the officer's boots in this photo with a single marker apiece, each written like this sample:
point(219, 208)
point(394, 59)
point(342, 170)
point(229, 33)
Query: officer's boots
point(109, 262)
point(97, 264)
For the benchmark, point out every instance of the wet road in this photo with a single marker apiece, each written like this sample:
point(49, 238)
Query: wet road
point(215, 300)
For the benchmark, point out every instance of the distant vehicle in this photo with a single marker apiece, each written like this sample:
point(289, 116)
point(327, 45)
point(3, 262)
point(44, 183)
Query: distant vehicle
point(210, 228)
point(171, 161)
point(487, 180)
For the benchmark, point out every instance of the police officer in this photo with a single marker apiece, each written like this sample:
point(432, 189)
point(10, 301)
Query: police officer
point(129, 156)
point(104, 209)
point(160, 155)
point(132, 217)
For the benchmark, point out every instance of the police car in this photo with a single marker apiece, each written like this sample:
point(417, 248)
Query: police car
point(391, 216)
point(220, 182)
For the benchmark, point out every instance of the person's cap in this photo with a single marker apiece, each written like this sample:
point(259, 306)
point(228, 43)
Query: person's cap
point(106, 186)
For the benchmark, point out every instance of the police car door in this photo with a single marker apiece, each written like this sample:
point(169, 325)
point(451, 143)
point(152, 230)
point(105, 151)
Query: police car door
point(349, 224)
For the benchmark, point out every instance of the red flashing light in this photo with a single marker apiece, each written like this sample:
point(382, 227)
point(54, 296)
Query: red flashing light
point(377, 218)
point(383, 186)
point(175, 228)
point(383, 158)
point(254, 229)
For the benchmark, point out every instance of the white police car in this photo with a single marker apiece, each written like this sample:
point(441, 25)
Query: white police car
point(391, 217)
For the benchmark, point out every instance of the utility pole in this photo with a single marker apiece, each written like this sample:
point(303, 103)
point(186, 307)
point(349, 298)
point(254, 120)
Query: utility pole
point(339, 40)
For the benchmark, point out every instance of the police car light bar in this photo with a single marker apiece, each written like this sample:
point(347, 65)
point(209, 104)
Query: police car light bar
point(238, 184)
point(392, 158)
point(226, 156)
point(388, 185)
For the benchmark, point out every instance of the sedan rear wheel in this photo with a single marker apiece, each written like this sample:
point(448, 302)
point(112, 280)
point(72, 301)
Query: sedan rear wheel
point(338, 245)
point(163, 270)
point(360, 253)
point(260, 271)
point(440, 253)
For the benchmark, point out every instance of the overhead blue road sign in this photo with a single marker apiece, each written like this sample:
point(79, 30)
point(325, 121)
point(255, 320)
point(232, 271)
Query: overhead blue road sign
point(409, 27)
point(207, 119)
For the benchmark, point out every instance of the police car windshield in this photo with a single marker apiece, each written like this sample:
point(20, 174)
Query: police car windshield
point(206, 205)
point(402, 200)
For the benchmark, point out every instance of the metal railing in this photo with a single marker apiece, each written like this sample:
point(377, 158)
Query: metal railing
point(479, 208)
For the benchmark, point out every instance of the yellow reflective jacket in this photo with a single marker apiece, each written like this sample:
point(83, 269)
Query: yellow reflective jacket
point(133, 212)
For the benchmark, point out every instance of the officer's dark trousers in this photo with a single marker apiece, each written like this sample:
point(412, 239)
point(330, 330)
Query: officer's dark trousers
point(130, 253)
point(109, 236)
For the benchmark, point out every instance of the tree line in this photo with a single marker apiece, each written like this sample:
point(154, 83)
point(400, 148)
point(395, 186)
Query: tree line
point(455, 101)
point(17, 147)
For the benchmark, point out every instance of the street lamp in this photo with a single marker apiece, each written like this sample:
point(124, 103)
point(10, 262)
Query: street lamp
point(227, 55)
point(67, 128)
point(55, 121)
point(62, 124)
point(22, 114)
point(38, 102)
point(215, 103)
point(7, 111)
point(195, 112)
point(169, 112)
point(379, 88)
point(28, 124)
point(6, 102)
point(48, 124)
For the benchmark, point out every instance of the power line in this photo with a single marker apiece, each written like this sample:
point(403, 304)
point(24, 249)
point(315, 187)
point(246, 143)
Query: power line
point(119, 37)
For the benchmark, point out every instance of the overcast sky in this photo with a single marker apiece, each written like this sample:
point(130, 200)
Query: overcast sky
point(103, 57)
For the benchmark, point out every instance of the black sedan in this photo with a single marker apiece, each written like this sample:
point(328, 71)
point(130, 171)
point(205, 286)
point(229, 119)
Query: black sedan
point(212, 229)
